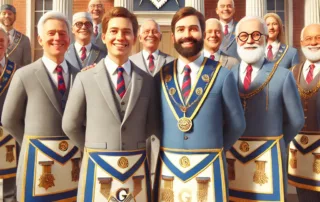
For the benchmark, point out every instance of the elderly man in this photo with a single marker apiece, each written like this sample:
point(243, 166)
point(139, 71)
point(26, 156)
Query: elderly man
point(19, 49)
point(96, 9)
point(304, 163)
point(212, 42)
point(48, 168)
point(274, 115)
point(116, 101)
point(8, 146)
point(82, 52)
point(150, 59)
point(201, 115)
point(276, 48)
point(225, 10)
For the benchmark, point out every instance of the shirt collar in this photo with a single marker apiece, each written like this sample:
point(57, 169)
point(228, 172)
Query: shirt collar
point(308, 63)
point(230, 24)
point(3, 62)
point(51, 66)
point(274, 44)
point(195, 65)
point(256, 65)
point(112, 66)
point(78, 47)
point(146, 54)
point(207, 54)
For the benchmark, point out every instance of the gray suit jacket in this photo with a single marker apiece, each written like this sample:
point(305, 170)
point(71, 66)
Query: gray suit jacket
point(20, 50)
point(91, 101)
point(227, 61)
point(138, 60)
point(94, 56)
point(98, 42)
point(229, 43)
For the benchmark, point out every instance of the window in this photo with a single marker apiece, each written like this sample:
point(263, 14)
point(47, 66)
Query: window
point(277, 6)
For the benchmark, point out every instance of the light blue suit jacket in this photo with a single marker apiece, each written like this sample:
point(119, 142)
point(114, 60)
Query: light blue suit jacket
point(290, 58)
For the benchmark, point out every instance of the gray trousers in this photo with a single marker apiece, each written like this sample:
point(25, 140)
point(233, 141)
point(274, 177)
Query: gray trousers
point(305, 195)
point(9, 190)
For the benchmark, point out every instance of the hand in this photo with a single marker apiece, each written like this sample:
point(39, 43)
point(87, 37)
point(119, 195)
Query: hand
point(89, 67)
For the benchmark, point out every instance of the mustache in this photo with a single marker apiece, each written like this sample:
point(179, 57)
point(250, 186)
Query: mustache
point(250, 46)
point(188, 39)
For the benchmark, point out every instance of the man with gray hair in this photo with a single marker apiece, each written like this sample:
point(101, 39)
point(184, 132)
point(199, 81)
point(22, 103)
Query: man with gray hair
point(274, 115)
point(48, 168)
point(150, 59)
point(212, 42)
point(19, 49)
point(82, 52)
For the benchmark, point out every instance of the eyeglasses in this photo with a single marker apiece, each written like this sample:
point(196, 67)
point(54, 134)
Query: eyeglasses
point(87, 24)
point(96, 5)
point(228, 6)
point(152, 31)
point(308, 40)
point(244, 36)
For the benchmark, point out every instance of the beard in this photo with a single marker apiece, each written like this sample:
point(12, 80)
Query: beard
point(251, 56)
point(188, 52)
point(313, 56)
point(7, 22)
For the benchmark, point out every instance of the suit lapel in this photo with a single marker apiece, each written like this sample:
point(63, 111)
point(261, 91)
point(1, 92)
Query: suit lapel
point(260, 78)
point(93, 55)
point(161, 62)
point(136, 85)
point(102, 79)
point(43, 79)
point(223, 60)
point(74, 59)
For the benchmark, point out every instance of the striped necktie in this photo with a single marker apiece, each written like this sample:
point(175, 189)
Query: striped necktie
point(309, 77)
point(61, 83)
point(121, 88)
point(186, 84)
point(270, 54)
point(212, 57)
point(151, 63)
point(83, 53)
point(247, 78)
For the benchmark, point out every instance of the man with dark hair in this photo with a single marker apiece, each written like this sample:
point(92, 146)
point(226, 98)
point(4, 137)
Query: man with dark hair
point(110, 113)
point(201, 115)
point(19, 49)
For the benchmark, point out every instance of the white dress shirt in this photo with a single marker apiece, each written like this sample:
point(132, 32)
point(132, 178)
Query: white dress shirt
point(195, 66)
point(275, 48)
point(217, 54)
point(155, 57)
point(112, 71)
point(99, 27)
point(306, 68)
point(230, 26)
point(3, 64)
point(78, 47)
point(255, 69)
point(51, 67)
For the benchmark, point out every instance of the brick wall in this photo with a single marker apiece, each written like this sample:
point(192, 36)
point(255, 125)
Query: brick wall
point(20, 23)
point(82, 5)
point(210, 9)
point(298, 23)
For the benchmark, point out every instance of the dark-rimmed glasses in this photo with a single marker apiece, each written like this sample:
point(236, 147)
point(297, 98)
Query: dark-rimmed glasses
point(96, 5)
point(244, 36)
point(87, 24)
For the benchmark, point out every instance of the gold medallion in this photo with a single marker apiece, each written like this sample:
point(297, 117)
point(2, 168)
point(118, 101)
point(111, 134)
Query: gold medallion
point(63, 145)
point(123, 162)
point(184, 162)
point(184, 124)
point(172, 91)
point(168, 78)
point(183, 109)
point(304, 139)
point(1, 132)
point(205, 78)
point(199, 91)
point(244, 146)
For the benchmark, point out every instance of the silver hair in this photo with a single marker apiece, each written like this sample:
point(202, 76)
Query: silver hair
point(232, 2)
point(247, 18)
point(52, 15)
point(217, 21)
point(302, 31)
point(150, 19)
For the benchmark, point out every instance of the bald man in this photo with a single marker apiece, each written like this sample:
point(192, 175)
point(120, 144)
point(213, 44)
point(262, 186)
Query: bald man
point(304, 155)
point(150, 59)
point(212, 42)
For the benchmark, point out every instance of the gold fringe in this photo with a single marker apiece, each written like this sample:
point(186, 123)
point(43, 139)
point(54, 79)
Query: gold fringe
point(75, 172)
point(316, 165)
point(260, 177)
point(293, 160)
point(167, 195)
point(9, 154)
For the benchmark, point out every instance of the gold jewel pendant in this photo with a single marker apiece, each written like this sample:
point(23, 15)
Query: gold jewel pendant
point(123, 162)
point(184, 162)
point(184, 124)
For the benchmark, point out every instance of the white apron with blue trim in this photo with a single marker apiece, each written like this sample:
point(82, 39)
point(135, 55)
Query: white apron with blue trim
point(8, 155)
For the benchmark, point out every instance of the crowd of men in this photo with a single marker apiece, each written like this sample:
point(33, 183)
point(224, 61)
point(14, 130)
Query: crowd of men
point(234, 117)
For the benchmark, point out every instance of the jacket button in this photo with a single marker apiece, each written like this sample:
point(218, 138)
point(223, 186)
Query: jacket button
point(123, 103)
point(153, 139)
point(186, 137)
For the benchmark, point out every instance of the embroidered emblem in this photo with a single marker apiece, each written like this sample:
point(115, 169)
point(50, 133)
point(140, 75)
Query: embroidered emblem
point(63, 145)
point(205, 78)
point(304, 139)
point(168, 78)
point(172, 91)
point(158, 3)
point(184, 124)
point(47, 178)
point(199, 91)
point(231, 169)
point(184, 162)
point(203, 185)
point(316, 163)
point(123, 162)
point(293, 160)
point(9, 154)
point(260, 176)
point(105, 186)
point(244, 146)
point(167, 194)
point(185, 195)
point(122, 194)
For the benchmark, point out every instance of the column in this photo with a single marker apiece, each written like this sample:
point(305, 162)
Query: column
point(64, 7)
point(6, 2)
point(128, 4)
point(311, 12)
point(256, 8)
point(197, 4)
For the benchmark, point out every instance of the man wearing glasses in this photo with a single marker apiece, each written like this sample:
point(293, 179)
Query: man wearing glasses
point(96, 9)
point(274, 115)
point(150, 59)
point(304, 164)
point(82, 52)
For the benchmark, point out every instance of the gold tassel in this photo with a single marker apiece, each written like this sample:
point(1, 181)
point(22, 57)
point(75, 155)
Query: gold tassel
point(9, 154)
point(293, 160)
point(260, 177)
point(105, 186)
point(75, 172)
point(167, 194)
point(231, 169)
point(46, 179)
point(316, 163)
point(203, 184)
point(137, 183)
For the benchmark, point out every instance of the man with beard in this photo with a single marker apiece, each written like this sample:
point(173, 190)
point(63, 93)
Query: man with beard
point(225, 10)
point(82, 52)
point(19, 49)
point(201, 116)
point(150, 59)
point(274, 115)
point(96, 9)
point(212, 41)
point(304, 163)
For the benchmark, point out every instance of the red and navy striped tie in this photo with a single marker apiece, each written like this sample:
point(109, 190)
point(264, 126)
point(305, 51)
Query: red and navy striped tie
point(61, 84)
point(83, 53)
point(121, 88)
point(186, 84)
point(151, 63)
